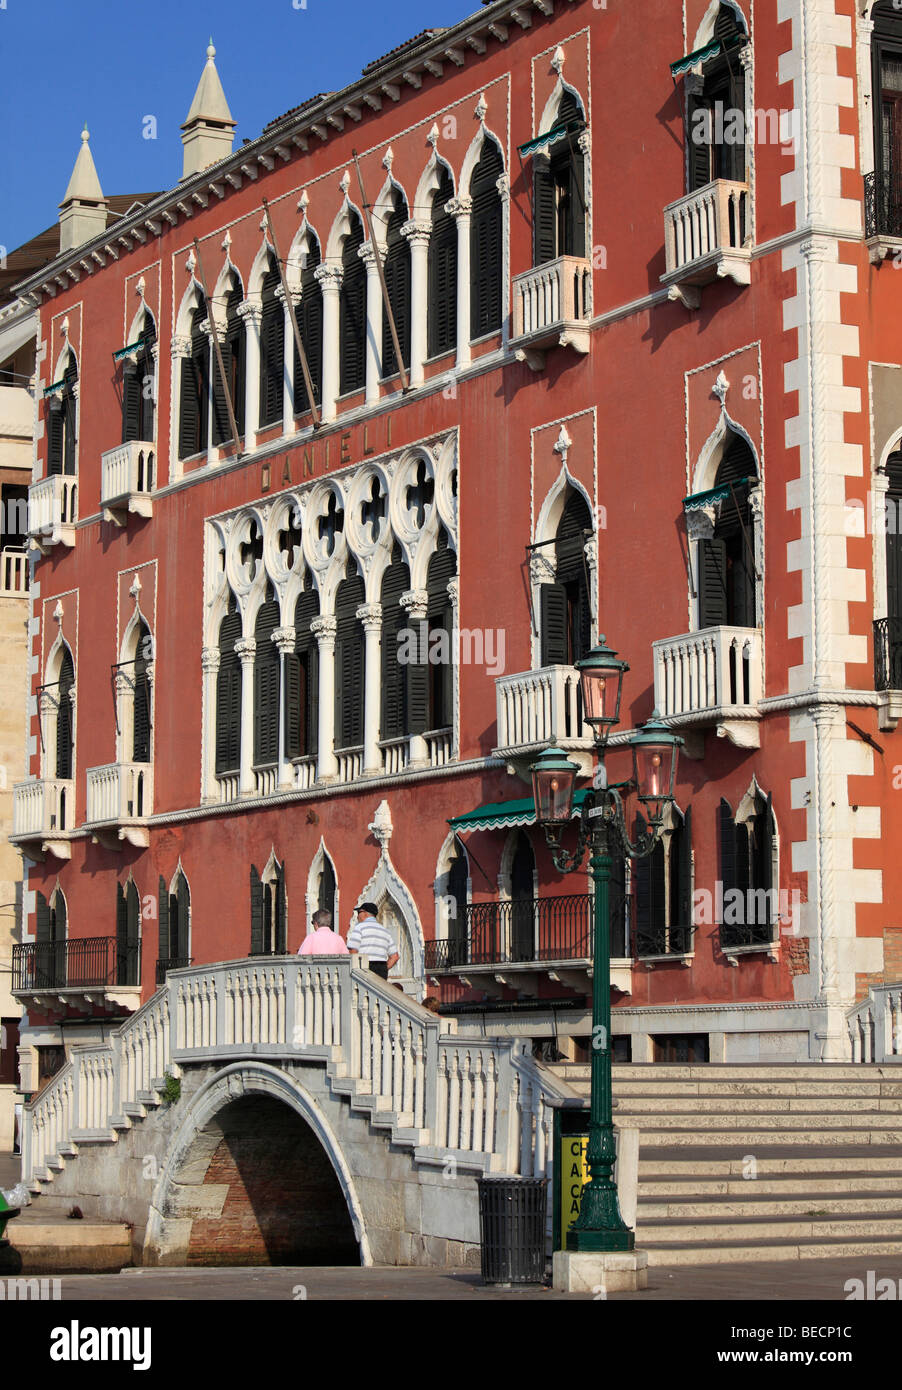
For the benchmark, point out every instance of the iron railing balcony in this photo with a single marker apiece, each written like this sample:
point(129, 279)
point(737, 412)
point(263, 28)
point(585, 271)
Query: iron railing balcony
point(172, 963)
point(753, 936)
point(524, 931)
point(78, 964)
point(888, 654)
point(882, 214)
point(664, 941)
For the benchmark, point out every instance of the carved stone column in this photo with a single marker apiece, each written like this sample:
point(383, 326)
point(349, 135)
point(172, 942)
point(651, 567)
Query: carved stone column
point(246, 650)
point(374, 312)
point(324, 630)
point(251, 314)
point(454, 596)
point(284, 640)
point(460, 209)
point(329, 277)
point(415, 602)
point(417, 234)
point(209, 660)
point(370, 614)
point(179, 349)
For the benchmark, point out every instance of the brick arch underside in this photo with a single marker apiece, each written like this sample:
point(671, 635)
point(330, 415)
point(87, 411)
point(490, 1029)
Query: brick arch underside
point(261, 1191)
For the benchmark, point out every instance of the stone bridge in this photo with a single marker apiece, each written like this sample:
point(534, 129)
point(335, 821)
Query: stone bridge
point(289, 1110)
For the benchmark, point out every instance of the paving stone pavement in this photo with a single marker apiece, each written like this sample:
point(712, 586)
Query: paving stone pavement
point(814, 1280)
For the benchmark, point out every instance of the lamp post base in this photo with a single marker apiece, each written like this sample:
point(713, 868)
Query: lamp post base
point(600, 1242)
point(610, 1271)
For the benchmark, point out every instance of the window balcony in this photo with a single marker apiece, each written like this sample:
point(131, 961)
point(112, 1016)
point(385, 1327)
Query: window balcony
point(43, 816)
point(517, 943)
point(707, 238)
point(888, 670)
point(53, 511)
point(882, 215)
point(79, 973)
point(13, 572)
point(127, 481)
point(120, 798)
point(552, 307)
point(712, 678)
point(536, 708)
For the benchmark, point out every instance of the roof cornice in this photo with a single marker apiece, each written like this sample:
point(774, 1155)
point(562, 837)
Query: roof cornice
point(499, 21)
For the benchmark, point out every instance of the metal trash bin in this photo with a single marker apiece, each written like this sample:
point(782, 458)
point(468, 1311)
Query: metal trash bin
point(512, 1229)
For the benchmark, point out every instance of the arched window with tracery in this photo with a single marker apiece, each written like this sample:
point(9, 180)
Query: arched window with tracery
point(138, 382)
point(559, 188)
point(565, 607)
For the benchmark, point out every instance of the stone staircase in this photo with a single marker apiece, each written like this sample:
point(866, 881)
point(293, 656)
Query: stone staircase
point(752, 1163)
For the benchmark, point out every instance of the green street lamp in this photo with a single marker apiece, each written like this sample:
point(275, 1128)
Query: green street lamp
point(600, 1226)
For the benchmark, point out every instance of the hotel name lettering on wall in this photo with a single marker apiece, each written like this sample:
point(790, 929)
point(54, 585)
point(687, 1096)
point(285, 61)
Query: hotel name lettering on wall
point(319, 455)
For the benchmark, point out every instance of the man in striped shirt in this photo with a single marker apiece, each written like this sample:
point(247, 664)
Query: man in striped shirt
point(370, 938)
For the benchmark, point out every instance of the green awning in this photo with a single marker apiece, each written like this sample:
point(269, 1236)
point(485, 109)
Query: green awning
point(54, 386)
point(501, 815)
point(124, 352)
point(701, 55)
point(715, 494)
point(556, 132)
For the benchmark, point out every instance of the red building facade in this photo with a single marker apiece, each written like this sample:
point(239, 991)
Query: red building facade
point(648, 387)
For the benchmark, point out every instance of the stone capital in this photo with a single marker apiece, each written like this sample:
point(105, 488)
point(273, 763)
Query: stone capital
point(180, 346)
point(454, 591)
point(459, 207)
point(417, 231)
point(503, 185)
point(415, 603)
point(541, 568)
point(284, 639)
point(246, 649)
point(250, 313)
point(329, 277)
point(324, 629)
point(370, 614)
point(368, 252)
point(209, 659)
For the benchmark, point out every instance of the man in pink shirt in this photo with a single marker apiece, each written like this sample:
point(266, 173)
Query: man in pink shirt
point(323, 941)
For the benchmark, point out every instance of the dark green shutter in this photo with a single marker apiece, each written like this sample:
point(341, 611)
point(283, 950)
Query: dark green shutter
point(266, 686)
point(183, 901)
point(272, 350)
point(728, 847)
point(893, 513)
point(309, 315)
point(256, 913)
point(294, 681)
point(765, 873)
point(486, 243)
point(326, 889)
point(42, 934)
point(396, 269)
point(544, 213)
point(221, 428)
point(228, 694)
point(131, 401)
point(698, 136)
point(146, 376)
point(681, 882)
point(349, 662)
point(141, 704)
point(54, 417)
point(553, 624)
point(352, 312)
point(712, 583)
point(188, 412)
point(163, 952)
point(69, 433)
point(442, 268)
point(64, 719)
point(395, 582)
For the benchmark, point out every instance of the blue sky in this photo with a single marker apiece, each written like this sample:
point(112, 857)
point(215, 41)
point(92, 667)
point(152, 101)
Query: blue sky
point(112, 64)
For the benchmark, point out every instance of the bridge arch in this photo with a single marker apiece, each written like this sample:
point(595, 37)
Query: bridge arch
point(235, 1130)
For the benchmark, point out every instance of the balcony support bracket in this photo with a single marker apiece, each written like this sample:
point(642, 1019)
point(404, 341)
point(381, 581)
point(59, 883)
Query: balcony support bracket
point(744, 733)
point(690, 296)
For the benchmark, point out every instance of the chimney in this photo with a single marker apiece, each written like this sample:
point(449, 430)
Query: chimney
point(208, 132)
point(83, 209)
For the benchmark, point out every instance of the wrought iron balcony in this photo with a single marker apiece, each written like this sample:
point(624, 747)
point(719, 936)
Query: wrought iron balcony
point(712, 677)
point(120, 798)
point(43, 814)
point(552, 308)
point(661, 942)
point(888, 670)
point(529, 934)
point(127, 480)
point(536, 708)
point(172, 963)
point(707, 237)
point(882, 214)
point(748, 936)
point(53, 510)
point(94, 967)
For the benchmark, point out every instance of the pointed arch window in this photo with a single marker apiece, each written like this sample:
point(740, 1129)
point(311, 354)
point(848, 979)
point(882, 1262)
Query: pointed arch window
point(128, 934)
point(64, 719)
point(174, 912)
point(349, 660)
point(565, 608)
point(138, 384)
point(325, 893)
point(309, 315)
point(522, 943)
point(716, 112)
point(397, 283)
point(268, 910)
point(352, 310)
point(442, 272)
point(272, 347)
point(748, 872)
point(486, 234)
point(456, 891)
point(50, 940)
point(62, 429)
point(559, 189)
point(266, 684)
point(228, 693)
point(194, 389)
point(439, 713)
point(662, 885)
point(232, 347)
point(726, 560)
point(302, 680)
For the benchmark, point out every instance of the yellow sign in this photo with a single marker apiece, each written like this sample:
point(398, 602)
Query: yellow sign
point(574, 1175)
